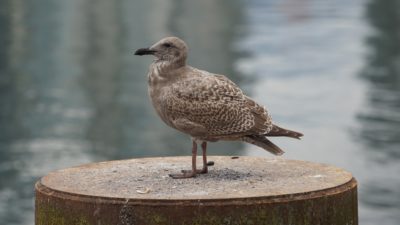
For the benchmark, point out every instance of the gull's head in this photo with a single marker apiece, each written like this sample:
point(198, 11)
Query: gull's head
point(169, 49)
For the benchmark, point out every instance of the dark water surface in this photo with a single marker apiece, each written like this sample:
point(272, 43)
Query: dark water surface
point(72, 92)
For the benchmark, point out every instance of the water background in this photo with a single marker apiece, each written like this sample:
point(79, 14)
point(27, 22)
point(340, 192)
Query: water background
point(72, 92)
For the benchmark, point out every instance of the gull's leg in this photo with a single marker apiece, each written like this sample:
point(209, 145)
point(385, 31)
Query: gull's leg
point(204, 148)
point(188, 173)
point(205, 163)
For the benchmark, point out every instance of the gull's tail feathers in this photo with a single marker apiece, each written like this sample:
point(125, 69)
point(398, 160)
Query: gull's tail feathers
point(279, 131)
point(263, 142)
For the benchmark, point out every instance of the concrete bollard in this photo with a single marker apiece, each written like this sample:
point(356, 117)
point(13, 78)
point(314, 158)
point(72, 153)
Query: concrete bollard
point(236, 191)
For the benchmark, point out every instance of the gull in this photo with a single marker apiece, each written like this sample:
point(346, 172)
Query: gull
point(208, 107)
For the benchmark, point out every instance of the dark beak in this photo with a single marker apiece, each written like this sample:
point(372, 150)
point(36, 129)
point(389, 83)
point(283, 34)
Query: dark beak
point(144, 51)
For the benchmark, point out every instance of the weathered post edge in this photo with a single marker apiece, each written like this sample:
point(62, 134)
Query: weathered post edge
point(337, 205)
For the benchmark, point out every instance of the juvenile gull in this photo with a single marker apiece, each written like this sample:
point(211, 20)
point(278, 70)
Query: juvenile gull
point(209, 107)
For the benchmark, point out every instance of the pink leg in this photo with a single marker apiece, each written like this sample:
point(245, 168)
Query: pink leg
point(205, 164)
point(204, 148)
point(188, 173)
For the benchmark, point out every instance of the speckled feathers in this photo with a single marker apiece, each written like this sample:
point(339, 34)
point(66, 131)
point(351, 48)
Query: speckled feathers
point(217, 105)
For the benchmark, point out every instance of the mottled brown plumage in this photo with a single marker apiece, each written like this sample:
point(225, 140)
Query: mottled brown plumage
point(208, 107)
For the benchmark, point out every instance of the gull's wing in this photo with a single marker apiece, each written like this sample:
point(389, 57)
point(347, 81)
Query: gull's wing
point(212, 105)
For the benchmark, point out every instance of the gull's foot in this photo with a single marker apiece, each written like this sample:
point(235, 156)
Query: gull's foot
point(184, 174)
point(202, 171)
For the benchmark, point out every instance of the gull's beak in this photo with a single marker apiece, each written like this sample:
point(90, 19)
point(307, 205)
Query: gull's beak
point(144, 51)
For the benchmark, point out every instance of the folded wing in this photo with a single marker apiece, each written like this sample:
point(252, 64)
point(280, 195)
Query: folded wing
point(217, 105)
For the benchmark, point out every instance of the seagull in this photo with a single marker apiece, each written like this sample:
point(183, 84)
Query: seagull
point(208, 107)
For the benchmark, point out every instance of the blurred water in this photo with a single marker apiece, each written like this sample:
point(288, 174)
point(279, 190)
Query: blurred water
point(332, 70)
point(72, 92)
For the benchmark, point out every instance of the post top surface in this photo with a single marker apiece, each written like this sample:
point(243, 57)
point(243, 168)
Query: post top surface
point(244, 177)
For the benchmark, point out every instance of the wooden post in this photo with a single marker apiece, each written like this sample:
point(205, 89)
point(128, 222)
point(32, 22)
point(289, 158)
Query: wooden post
point(244, 190)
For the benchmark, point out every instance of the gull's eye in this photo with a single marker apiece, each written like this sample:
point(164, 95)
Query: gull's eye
point(167, 45)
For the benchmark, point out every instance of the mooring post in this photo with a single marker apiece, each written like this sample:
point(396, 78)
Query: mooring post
point(236, 191)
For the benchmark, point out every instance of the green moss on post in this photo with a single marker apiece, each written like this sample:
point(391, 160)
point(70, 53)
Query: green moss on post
point(248, 190)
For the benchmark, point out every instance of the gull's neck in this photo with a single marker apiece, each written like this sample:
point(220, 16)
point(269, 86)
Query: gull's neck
point(166, 66)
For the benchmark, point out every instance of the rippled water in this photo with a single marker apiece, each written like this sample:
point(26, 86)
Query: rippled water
point(72, 92)
point(332, 70)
